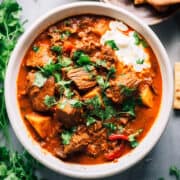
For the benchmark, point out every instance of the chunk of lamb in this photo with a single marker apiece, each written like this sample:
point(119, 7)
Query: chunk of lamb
point(67, 114)
point(45, 126)
point(115, 91)
point(41, 57)
point(78, 142)
point(37, 95)
point(83, 80)
point(107, 54)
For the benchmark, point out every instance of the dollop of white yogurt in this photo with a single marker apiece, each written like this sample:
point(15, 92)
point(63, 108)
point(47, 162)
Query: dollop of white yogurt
point(128, 52)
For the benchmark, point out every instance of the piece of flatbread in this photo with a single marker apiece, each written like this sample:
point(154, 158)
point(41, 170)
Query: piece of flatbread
point(177, 85)
point(139, 1)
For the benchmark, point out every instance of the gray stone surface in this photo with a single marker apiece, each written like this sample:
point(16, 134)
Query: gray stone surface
point(167, 151)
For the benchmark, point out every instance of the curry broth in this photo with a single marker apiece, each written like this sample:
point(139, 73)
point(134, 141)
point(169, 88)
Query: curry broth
point(145, 117)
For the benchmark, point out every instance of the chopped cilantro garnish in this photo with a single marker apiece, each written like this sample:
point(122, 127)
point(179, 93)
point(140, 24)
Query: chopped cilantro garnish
point(132, 138)
point(67, 22)
point(81, 58)
point(111, 72)
point(128, 107)
point(64, 61)
point(64, 88)
point(57, 76)
point(101, 63)
point(139, 40)
point(76, 103)
point(102, 83)
point(112, 44)
point(56, 49)
point(65, 34)
point(140, 61)
point(90, 120)
point(126, 90)
point(49, 101)
point(35, 48)
point(50, 68)
point(68, 93)
point(88, 67)
point(39, 79)
point(112, 127)
point(66, 136)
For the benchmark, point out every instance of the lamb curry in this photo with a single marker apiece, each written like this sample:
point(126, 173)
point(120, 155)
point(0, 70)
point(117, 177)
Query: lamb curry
point(89, 89)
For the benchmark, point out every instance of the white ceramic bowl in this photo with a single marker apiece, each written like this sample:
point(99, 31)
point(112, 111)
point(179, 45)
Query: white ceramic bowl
point(76, 170)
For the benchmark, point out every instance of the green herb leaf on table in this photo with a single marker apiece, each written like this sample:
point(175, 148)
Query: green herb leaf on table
point(174, 171)
point(102, 83)
point(112, 44)
point(11, 28)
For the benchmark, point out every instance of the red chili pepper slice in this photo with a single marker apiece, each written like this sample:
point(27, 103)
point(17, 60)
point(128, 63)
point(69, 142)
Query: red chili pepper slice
point(114, 137)
point(115, 154)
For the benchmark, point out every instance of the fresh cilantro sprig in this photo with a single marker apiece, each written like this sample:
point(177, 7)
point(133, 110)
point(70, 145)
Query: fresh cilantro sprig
point(10, 29)
point(67, 135)
point(17, 166)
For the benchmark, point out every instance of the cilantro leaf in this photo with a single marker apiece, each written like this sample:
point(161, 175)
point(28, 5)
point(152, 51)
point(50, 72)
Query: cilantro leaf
point(174, 171)
point(66, 135)
point(65, 34)
point(56, 49)
point(139, 40)
point(81, 58)
point(112, 44)
point(50, 68)
point(76, 103)
point(35, 48)
point(112, 127)
point(129, 107)
point(90, 120)
point(101, 63)
point(39, 79)
point(140, 61)
point(49, 101)
point(126, 90)
point(65, 61)
point(132, 138)
point(111, 72)
point(10, 29)
point(102, 83)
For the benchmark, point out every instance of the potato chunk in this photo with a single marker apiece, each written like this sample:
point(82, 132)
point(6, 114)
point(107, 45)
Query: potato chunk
point(41, 124)
point(146, 95)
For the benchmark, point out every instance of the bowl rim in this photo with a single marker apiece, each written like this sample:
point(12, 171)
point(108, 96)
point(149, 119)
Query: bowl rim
point(9, 105)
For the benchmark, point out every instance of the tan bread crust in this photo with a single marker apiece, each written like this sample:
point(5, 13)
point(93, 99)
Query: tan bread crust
point(177, 85)
point(139, 1)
